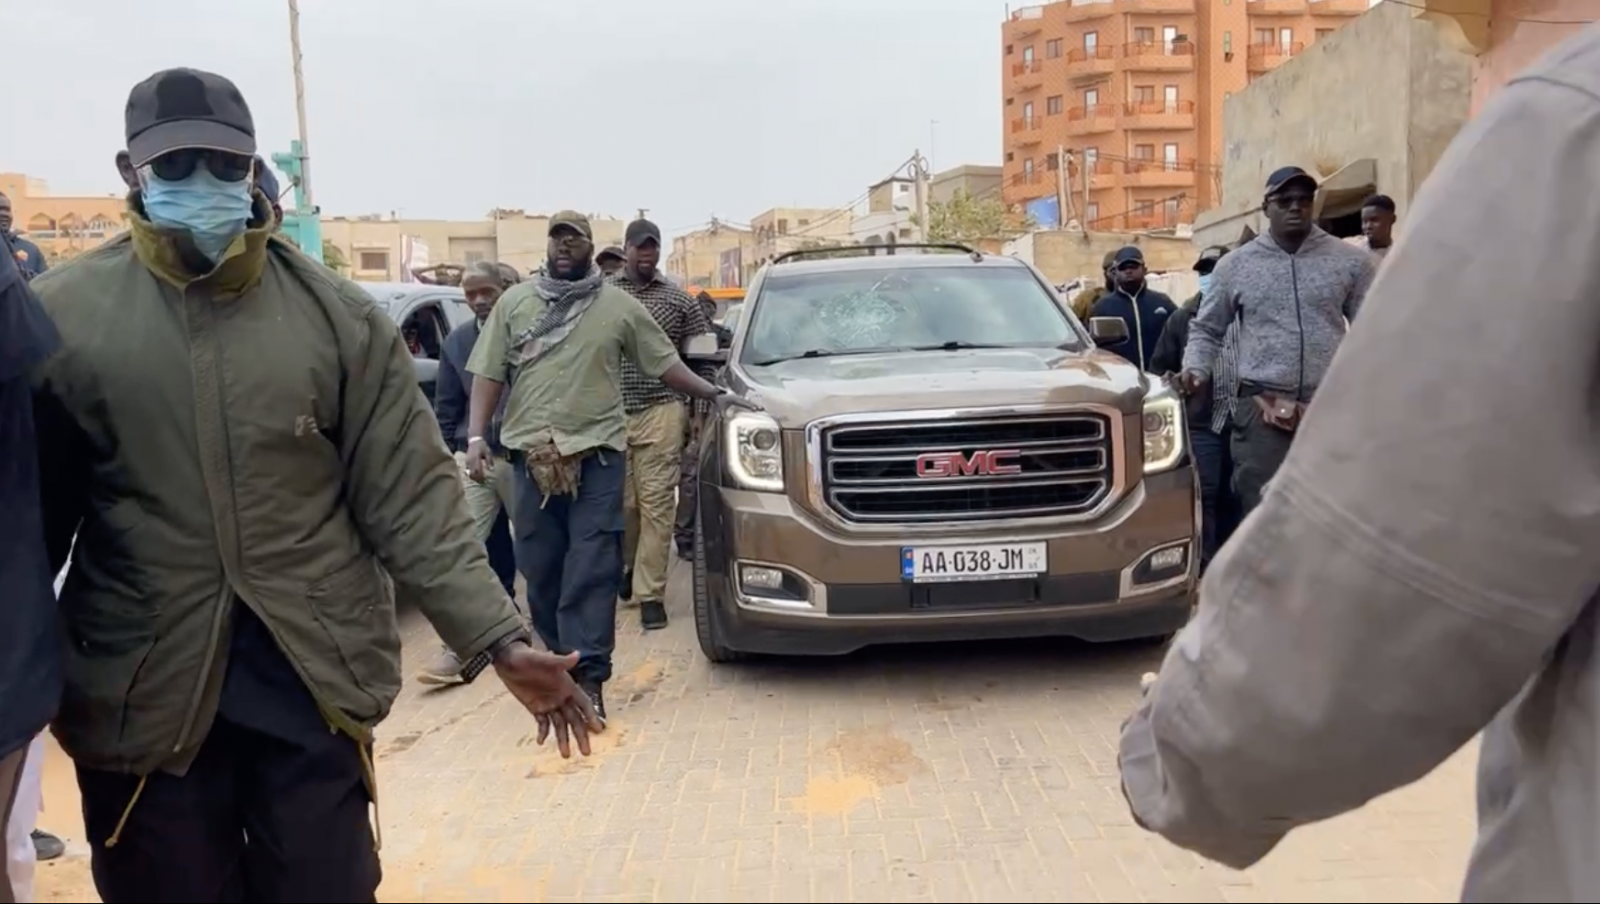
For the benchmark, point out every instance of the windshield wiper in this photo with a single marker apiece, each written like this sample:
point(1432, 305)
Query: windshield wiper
point(828, 353)
point(956, 345)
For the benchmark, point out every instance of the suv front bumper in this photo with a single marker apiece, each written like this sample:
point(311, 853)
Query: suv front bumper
point(1099, 585)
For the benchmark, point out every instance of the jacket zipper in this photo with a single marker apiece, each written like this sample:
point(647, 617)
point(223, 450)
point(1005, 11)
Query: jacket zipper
point(205, 668)
point(1138, 328)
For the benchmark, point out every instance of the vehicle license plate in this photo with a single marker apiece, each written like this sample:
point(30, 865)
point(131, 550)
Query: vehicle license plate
point(942, 564)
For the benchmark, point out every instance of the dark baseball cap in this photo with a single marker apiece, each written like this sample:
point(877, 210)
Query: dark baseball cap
point(1284, 175)
point(1126, 254)
point(572, 220)
point(611, 251)
point(186, 108)
point(1209, 257)
point(641, 231)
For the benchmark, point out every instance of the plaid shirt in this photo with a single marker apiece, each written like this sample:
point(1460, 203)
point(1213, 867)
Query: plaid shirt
point(679, 315)
point(1225, 380)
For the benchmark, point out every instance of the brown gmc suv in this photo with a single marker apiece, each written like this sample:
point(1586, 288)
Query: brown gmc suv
point(943, 455)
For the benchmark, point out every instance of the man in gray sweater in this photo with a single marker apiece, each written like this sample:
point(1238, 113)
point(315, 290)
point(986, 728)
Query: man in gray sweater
point(1293, 292)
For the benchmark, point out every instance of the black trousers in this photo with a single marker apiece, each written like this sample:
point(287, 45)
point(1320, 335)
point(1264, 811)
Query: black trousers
point(1258, 451)
point(275, 807)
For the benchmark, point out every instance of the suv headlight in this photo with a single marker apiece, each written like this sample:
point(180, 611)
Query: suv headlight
point(1163, 431)
point(754, 451)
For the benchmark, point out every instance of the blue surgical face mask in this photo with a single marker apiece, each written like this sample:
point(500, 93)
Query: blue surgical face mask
point(212, 211)
point(1206, 279)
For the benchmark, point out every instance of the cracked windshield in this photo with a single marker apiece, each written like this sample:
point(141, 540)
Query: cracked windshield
point(925, 307)
point(726, 451)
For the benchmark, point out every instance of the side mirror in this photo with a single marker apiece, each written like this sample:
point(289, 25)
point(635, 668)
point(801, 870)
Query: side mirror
point(1108, 330)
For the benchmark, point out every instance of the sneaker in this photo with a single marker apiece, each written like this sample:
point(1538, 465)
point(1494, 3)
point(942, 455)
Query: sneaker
point(653, 615)
point(47, 846)
point(596, 699)
point(444, 670)
point(625, 592)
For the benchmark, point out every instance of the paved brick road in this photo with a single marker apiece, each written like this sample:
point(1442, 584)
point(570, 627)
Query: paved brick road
point(930, 774)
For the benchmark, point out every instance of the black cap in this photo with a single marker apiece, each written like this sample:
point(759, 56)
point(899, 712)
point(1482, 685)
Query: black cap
point(611, 251)
point(186, 108)
point(1283, 175)
point(1209, 257)
point(1127, 253)
point(639, 231)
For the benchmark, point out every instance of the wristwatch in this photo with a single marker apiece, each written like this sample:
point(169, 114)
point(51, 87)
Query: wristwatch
point(478, 663)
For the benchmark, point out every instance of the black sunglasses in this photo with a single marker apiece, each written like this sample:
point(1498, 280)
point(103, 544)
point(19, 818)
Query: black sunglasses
point(178, 165)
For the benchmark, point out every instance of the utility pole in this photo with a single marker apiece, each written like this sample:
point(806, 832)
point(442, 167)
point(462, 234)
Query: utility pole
point(1064, 210)
point(304, 223)
point(642, 212)
point(1087, 165)
point(919, 173)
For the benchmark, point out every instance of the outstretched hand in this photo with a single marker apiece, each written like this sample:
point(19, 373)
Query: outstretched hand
point(542, 683)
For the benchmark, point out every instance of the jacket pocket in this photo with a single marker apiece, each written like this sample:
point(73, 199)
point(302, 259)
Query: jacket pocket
point(354, 608)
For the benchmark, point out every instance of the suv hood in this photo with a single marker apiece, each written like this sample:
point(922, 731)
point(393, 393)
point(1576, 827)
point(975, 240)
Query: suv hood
point(799, 391)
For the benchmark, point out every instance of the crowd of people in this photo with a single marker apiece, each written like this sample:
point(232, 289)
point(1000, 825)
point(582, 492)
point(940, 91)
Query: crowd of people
point(228, 440)
point(1249, 349)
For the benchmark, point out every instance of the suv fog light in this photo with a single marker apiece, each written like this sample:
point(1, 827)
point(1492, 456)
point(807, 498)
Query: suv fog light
point(757, 577)
point(1168, 558)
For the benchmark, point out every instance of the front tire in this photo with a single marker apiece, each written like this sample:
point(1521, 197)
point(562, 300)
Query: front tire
point(707, 629)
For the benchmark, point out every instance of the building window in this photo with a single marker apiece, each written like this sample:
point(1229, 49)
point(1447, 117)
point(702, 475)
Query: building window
point(1169, 37)
point(1145, 94)
point(472, 257)
point(1010, 156)
point(1027, 54)
point(1091, 40)
point(1091, 98)
point(1027, 113)
point(1010, 101)
point(905, 232)
point(1227, 42)
point(805, 222)
point(1144, 35)
point(1008, 50)
point(783, 227)
point(1052, 105)
point(1144, 152)
point(1285, 38)
point(1170, 96)
point(1146, 208)
point(1170, 209)
point(1091, 156)
point(1169, 157)
point(1052, 161)
point(1264, 37)
point(1323, 33)
point(1027, 167)
point(1092, 212)
point(1052, 48)
point(372, 261)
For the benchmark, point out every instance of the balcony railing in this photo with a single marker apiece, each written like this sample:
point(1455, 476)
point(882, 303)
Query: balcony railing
point(1277, 7)
point(1159, 108)
point(1028, 12)
point(1265, 56)
point(1025, 124)
point(1133, 167)
point(1085, 54)
point(1146, 218)
point(1026, 67)
point(1033, 177)
point(1091, 111)
point(1134, 49)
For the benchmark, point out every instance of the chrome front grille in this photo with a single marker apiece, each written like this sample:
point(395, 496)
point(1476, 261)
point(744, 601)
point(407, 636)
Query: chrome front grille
point(981, 469)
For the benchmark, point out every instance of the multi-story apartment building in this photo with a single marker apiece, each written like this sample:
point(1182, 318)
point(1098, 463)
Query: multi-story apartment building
point(1131, 91)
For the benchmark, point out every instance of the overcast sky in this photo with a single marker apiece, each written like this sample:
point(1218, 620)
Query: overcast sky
point(448, 108)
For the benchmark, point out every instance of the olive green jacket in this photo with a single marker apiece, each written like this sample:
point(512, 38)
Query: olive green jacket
point(255, 434)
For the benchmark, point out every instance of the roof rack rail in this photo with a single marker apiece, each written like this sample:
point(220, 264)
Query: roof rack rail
point(873, 250)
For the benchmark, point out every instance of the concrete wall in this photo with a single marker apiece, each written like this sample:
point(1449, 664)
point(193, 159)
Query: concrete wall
point(1065, 255)
point(976, 180)
point(516, 239)
point(1387, 87)
point(1516, 43)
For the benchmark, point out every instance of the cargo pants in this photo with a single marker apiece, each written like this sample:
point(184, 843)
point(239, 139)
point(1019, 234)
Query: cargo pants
point(655, 450)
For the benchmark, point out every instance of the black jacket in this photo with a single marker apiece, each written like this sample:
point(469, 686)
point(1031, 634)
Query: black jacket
point(30, 632)
point(1168, 357)
point(1146, 316)
point(452, 394)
